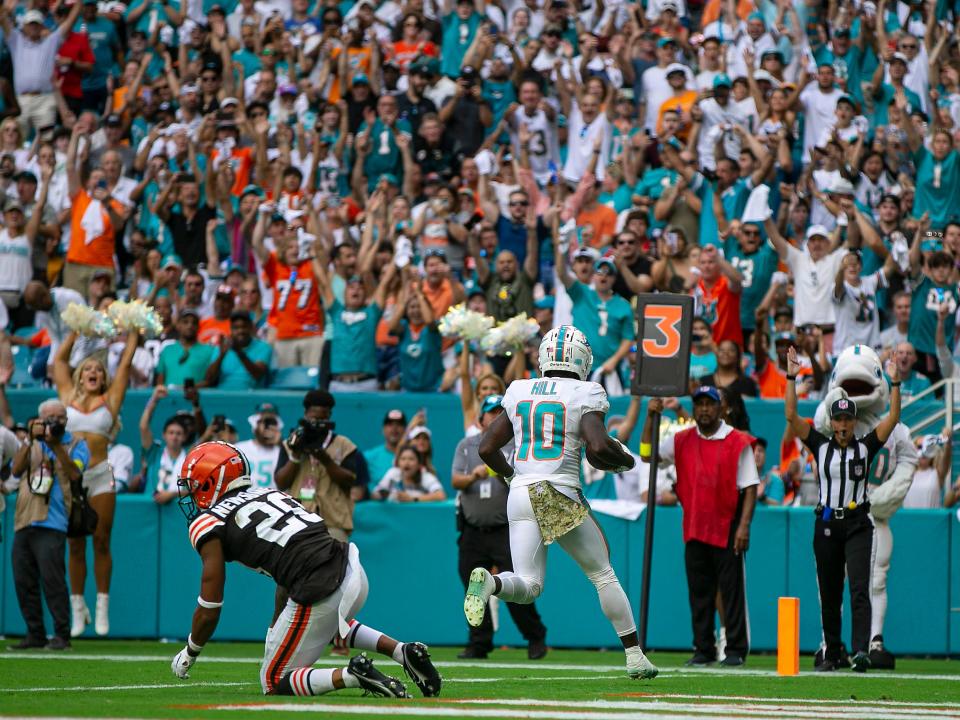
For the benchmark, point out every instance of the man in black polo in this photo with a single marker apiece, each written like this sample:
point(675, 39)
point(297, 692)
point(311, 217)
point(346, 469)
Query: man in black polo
point(412, 104)
point(188, 226)
point(485, 535)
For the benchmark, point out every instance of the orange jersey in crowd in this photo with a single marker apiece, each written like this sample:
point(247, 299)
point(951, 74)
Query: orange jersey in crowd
point(97, 251)
point(405, 53)
point(358, 61)
point(440, 300)
point(211, 330)
point(242, 159)
point(296, 309)
point(721, 308)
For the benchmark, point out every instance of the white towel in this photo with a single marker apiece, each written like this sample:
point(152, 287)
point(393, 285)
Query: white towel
point(758, 206)
point(92, 221)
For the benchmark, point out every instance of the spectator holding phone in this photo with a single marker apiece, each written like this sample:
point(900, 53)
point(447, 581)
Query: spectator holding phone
point(163, 460)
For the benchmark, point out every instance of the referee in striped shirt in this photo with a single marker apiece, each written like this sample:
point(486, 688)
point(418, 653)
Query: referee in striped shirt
point(843, 537)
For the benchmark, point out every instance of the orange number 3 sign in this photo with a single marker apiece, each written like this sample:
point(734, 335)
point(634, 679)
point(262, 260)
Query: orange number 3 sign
point(666, 319)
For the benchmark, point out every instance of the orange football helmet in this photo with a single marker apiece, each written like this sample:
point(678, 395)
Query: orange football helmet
point(208, 472)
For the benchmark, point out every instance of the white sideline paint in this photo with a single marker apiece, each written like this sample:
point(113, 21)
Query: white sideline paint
point(666, 710)
point(538, 665)
point(440, 711)
point(851, 710)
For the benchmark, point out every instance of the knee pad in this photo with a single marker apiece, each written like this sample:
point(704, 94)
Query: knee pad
point(536, 588)
point(602, 578)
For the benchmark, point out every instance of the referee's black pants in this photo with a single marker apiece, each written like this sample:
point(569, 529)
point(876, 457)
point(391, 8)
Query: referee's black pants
point(711, 568)
point(844, 548)
point(489, 548)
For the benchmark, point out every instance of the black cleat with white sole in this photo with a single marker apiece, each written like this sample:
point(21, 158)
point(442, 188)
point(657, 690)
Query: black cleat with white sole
point(416, 663)
point(374, 682)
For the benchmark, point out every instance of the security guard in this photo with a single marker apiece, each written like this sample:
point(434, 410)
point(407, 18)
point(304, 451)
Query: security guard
point(485, 536)
point(843, 538)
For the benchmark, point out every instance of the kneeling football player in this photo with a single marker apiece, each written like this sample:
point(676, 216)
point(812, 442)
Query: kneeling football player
point(269, 531)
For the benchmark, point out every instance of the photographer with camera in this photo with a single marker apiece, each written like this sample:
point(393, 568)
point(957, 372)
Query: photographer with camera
point(50, 466)
point(326, 472)
point(264, 450)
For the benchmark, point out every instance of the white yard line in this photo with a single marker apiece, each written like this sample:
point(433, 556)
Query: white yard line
point(106, 688)
point(532, 665)
point(851, 711)
point(577, 711)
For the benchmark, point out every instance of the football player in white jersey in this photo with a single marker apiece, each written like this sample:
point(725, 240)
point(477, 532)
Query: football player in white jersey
point(551, 420)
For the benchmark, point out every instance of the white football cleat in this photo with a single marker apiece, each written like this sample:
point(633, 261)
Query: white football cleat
point(102, 624)
point(638, 666)
point(81, 615)
point(479, 590)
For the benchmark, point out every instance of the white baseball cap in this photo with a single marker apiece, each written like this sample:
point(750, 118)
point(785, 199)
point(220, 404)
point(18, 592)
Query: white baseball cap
point(817, 230)
point(32, 16)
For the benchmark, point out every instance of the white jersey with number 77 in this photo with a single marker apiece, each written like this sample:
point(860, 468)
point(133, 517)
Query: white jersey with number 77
point(546, 417)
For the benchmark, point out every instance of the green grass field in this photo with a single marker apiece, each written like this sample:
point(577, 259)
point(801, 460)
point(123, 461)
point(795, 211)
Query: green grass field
point(133, 680)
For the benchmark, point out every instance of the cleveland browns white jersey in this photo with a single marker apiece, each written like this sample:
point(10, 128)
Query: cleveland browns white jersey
point(546, 417)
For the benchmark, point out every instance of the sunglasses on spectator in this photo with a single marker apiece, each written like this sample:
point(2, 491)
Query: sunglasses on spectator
point(908, 46)
point(626, 242)
point(751, 233)
point(209, 78)
point(519, 203)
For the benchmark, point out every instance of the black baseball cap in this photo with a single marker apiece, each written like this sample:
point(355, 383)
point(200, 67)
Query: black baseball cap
point(843, 407)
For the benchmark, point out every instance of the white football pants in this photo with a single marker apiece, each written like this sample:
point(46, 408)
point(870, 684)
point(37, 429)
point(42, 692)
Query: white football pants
point(883, 539)
point(585, 544)
point(302, 632)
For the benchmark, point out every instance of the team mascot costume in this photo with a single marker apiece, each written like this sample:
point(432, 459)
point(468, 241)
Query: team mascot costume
point(858, 375)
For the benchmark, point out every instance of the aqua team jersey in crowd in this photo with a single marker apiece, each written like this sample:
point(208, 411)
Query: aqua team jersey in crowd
point(499, 95)
point(925, 302)
point(620, 199)
point(177, 364)
point(154, 10)
point(249, 61)
point(384, 156)
point(845, 67)
point(702, 365)
point(881, 102)
point(104, 43)
point(235, 376)
point(619, 139)
point(914, 384)
point(379, 460)
point(605, 323)
point(421, 362)
point(653, 184)
point(457, 36)
point(937, 187)
point(757, 269)
point(154, 457)
point(354, 339)
point(734, 200)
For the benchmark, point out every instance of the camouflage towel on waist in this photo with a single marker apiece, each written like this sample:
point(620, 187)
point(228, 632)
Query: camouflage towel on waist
point(556, 514)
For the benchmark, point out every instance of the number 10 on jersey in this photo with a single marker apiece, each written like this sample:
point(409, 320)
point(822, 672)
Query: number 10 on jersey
point(542, 427)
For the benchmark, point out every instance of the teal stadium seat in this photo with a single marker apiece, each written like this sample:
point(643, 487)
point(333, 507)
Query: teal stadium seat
point(295, 378)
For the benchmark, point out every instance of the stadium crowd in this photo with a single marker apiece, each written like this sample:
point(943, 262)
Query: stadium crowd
point(303, 189)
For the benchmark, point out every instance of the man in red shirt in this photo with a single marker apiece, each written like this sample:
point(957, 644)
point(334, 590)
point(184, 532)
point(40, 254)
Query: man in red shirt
point(718, 296)
point(74, 60)
point(717, 483)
